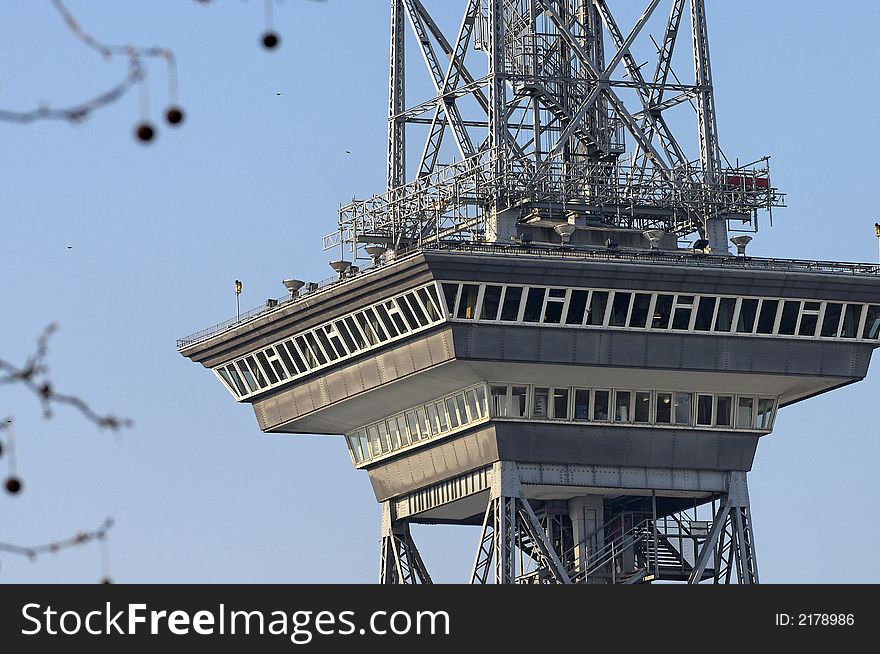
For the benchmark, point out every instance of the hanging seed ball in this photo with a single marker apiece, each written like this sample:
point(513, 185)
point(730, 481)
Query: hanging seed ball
point(174, 115)
point(13, 485)
point(144, 132)
point(270, 40)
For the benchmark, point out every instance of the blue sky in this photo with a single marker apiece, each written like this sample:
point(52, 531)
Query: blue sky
point(245, 188)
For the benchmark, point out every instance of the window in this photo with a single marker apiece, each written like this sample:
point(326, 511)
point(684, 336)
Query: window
point(577, 306)
point(704, 410)
point(428, 304)
point(724, 319)
point(385, 314)
point(462, 408)
point(270, 374)
point(682, 413)
point(378, 439)
point(620, 309)
point(642, 408)
point(534, 304)
point(788, 322)
point(581, 404)
point(767, 318)
point(705, 313)
point(422, 421)
point(662, 312)
point(257, 373)
point(450, 294)
point(442, 421)
point(872, 323)
point(452, 412)
point(467, 302)
point(765, 413)
point(315, 348)
point(233, 375)
point(809, 319)
point(600, 406)
point(499, 401)
point(622, 406)
point(519, 401)
point(413, 424)
point(296, 359)
point(325, 344)
point(354, 448)
point(540, 408)
point(745, 418)
point(598, 302)
point(473, 408)
point(555, 304)
point(682, 317)
point(851, 317)
point(355, 333)
point(491, 303)
point(664, 409)
point(394, 434)
point(748, 311)
point(831, 321)
point(416, 310)
point(724, 411)
point(361, 319)
point(510, 306)
point(560, 404)
point(639, 315)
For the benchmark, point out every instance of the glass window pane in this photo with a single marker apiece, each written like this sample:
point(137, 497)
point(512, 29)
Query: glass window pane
point(553, 312)
point(402, 430)
point(534, 304)
point(428, 303)
point(681, 319)
point(467, 303)
point(450, 292)
point(600, 405)
point(664, 408)
point(831, 321)
point(642, 408)
point(704, 410)
point(364, 443)
point(744, 413)
point(416, 309)
point(237, 380)
point(471, 398)
point(413, 425)
point(872, 323)
point(432, 293)
point(279, 369)
point(377, 444)
point(558, 293)
point(257, 373)
point(598, 302)
point(619, 309)
point(353, 448)
point(452, 413)
point(325, 343)
point(724, 319)
point(705, 312)
point(270, 374)
point(442, 422)
point(788, 322)
point(540, 402)
point(641, 305)
point(724, 411)
point(662, 312)
point(462, 410)
point(622, 406)
point(481, 401)
point(284, 355)
point(581, 404)
point(519, 401)
point(294, 355)
point(499, 401)
point(385, 317)
point(851, 317)
point(577, 306)
point(226, 380)
point(809, 322)
point(394, 434)
point(374, 323)
point(361, 319)
point(355, 333)
point(405, 309)
point(491, 303)
point(313, 344)
point(748, 311)
point(422, 419)
point(433, 423)
point(682, 413)
point(767, 318)
point(560, 404)
point(510, 307)
point(765, 412)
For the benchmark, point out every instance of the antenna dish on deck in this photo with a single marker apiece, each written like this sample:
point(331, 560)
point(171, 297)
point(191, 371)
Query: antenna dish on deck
point(293, 285)
point(741, 242)
point(341, 267)
point(654, 236)
point(565, 230)
point(375, 252)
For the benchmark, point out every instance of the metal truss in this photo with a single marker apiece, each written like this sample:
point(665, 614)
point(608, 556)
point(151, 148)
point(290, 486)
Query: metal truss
point(401, 562)
point(514, 546)
point(532, 104)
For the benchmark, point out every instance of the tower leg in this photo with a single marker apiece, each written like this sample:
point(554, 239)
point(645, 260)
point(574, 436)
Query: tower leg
point(401, 562)
point(510, 526)
point(731, 540)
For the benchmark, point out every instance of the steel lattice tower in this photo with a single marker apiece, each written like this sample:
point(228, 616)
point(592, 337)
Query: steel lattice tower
point(538, 327)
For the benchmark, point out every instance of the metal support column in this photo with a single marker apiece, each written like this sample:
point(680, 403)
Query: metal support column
point(401, 562)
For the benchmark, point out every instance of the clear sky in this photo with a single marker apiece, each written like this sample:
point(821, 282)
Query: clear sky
point(129, 247)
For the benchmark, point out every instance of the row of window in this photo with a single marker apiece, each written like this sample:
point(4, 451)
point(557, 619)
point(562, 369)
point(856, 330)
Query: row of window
point(436, 418)
point(333, 341)
point(468, 407)
point(661, 311)
point(638, 407)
